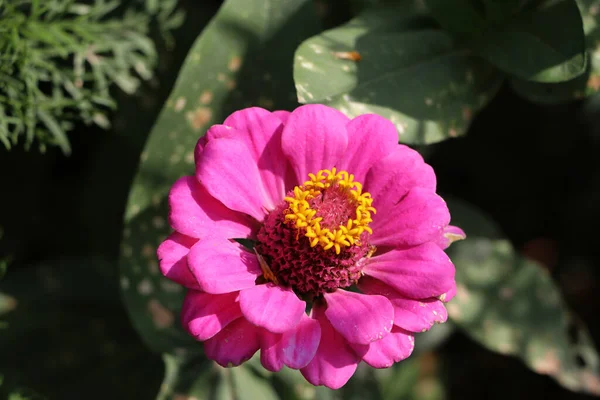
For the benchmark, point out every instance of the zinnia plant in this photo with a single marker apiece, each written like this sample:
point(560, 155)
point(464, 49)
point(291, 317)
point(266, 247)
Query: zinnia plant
point(316, 239)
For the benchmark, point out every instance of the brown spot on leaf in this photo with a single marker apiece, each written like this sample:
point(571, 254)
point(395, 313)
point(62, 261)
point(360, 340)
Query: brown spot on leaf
point(592, 383)
point(548, 365)
point(7, 303)
point(161, 316)
point(454, 310)
point(230, 84)
point(594, 82)
point(348, 55)
point(206, 97)
point(178, 396)
point(148, 251)
point(428, 364)
point(199, 117)
point(179, 104)
point(467, 113)
point(234, 64)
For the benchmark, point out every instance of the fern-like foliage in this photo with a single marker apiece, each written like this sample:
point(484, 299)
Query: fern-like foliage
point(58, 59)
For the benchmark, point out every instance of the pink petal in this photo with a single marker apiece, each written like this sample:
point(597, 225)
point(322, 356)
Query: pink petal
point(419, 217)
point(299, 345)
point(204, 315)
point(222, 131)
point(335, 361)
point(370, 138)
point(272, 307)
point(196, 213)
point(236, 343)
point(409, 314)
point(221, 266)
point(449, 295)
point(262, 135)
point(214, 132)
point(418, 272)
point(450, 235)
point(393, 176)
point(282, 115)
point(383, 353)
point(360, 318)
point(199, 148)
point(314, 138)
point(172, 259)
point(270, 351)
point(229, 173)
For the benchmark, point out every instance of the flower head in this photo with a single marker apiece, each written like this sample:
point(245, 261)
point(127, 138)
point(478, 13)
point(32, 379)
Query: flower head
point(344, 239)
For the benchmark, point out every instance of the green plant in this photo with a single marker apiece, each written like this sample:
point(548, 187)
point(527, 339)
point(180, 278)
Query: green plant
point(59, 59)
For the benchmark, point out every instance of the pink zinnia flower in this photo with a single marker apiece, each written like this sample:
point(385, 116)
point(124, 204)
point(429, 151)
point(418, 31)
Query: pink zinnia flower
point(347, 235)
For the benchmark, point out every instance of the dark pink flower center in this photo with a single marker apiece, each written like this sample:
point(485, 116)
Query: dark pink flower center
point(312, 270)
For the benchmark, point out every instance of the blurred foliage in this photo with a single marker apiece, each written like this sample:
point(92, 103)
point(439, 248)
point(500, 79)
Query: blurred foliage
point(430, 66)
point(59, 59)
point(511, 305)
point(409, 72)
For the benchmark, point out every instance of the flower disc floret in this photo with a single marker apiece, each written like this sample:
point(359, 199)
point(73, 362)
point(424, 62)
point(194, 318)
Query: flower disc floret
point(306, 219)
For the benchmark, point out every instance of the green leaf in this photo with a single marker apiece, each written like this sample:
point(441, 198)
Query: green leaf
point(193, 376)
point(243, 58)
point(417, 378)
point(544, 45)
point(249, 386)
point(584, 85)
point(189, 374)
point(511, 305)
point(499, 11)
point(460, 17)
point(408, 72)
point(291, 385)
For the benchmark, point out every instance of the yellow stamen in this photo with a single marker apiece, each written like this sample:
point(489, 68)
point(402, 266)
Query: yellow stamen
point(302, 216)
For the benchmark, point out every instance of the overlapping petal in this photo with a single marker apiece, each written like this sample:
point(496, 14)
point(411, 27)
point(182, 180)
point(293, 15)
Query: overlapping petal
point(383, 353)
point(450, 235)
point(204, 314)
point(229, 173)
point(418, 272)
point(299, 345)
point(233, 345)
point(272, 307)
point(412, 315)
point(172, 259)
point(358, 317)
point(418, 217)
point(195, 213)
point(221, 266)
point(261, 132)
point(270, 351)
point(370, 138)
point(314, 138)
point(335, 361)
point(393, 176)
point(294, 348)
